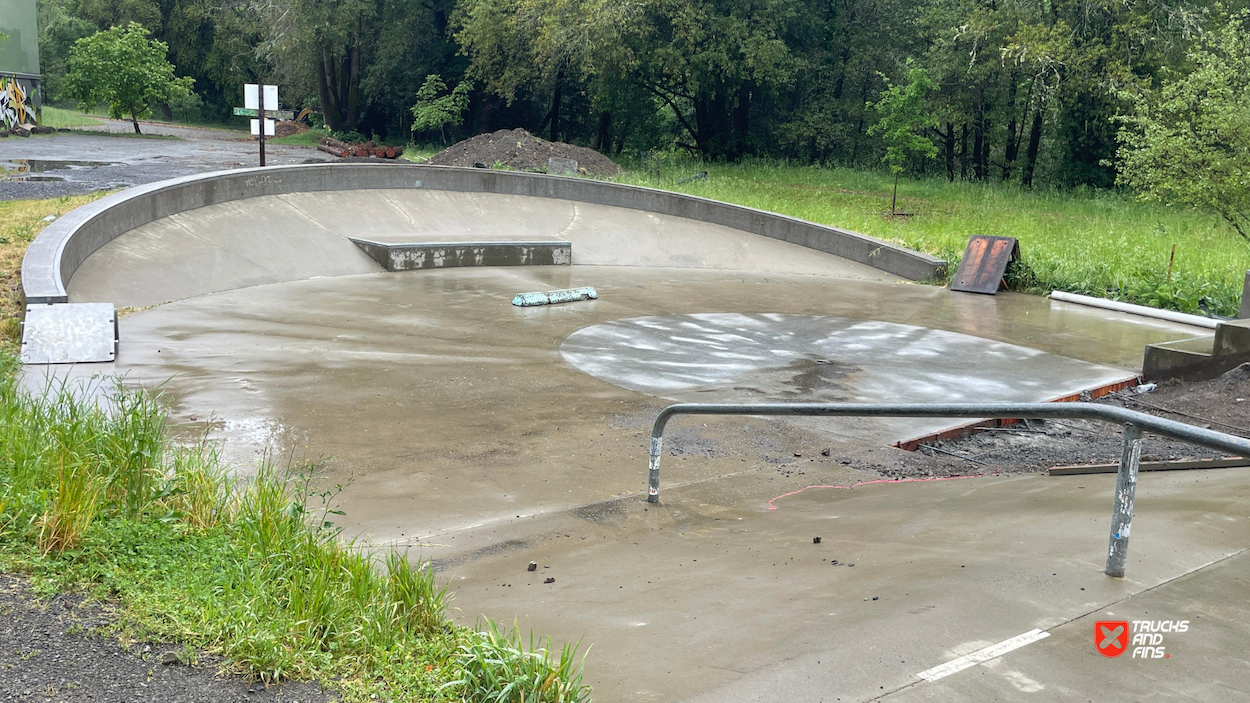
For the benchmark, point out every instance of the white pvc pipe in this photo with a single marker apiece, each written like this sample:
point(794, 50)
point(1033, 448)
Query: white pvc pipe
point(1169, 315)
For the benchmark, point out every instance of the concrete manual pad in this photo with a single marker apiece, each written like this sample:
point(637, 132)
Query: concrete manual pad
point(69, 333)
point(713, 597)
point(773, 358)
point(411, 256)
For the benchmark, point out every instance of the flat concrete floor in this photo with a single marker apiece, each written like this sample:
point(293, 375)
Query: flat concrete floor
point(466, 437)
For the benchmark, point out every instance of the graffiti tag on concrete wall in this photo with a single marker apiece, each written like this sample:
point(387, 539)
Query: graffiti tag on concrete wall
point(16, 103)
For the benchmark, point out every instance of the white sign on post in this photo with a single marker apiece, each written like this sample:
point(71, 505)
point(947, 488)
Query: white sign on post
point(251, 96)
point(262, 101)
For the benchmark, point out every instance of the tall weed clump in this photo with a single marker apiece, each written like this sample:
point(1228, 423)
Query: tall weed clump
point(499, 669)
point(73, 453)
point(72, 507)
point(325, 602)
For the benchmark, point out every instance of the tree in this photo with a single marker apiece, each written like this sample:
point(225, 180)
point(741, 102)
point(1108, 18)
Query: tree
point(1188, 142)
point(904, 115)
point(710, 62)
point(326, 43)
point(435, 110)
point(126, 69)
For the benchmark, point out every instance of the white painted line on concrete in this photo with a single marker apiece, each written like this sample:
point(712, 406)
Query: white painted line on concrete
point(982, 655)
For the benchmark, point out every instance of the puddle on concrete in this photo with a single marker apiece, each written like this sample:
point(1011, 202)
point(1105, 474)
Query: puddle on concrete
point(29, 169)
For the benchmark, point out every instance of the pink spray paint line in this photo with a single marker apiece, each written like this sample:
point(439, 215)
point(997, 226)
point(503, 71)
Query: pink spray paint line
point(865, 483)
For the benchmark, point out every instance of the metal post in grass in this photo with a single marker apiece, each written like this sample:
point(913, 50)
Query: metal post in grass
point(1122, 509)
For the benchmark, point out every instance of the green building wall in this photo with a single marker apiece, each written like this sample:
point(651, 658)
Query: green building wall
point(20, 99)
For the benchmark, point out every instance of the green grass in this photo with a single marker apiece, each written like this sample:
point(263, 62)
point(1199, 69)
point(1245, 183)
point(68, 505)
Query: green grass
point(1097, 243)
point(103, 501)
point(420, 153)
point(311, 138)
point(236, 124)
point(60, 118)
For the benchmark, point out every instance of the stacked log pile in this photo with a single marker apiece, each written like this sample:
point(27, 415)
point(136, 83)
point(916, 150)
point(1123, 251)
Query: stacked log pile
point(343, 150)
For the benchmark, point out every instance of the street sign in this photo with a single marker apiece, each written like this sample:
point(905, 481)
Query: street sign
point(261, 103)
point(252, 112)
point(251, 97)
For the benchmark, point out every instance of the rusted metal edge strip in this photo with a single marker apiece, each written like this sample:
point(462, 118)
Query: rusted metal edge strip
point(972, 428)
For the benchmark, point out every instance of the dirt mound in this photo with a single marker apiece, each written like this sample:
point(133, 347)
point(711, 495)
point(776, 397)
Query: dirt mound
point(1221, 404)
point(520, 150)
point(1232, 380)
point(285, 128)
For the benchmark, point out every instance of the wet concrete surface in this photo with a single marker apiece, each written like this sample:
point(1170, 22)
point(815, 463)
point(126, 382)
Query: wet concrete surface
point(1205, 663)
point(772, 358)
point(463, 435)
point(74, 163)
point(713, 597)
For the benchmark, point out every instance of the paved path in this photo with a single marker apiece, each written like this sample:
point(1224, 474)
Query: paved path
point(52, 165)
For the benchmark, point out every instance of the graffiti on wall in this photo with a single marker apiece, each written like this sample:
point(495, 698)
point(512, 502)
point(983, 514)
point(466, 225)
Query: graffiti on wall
point(16, 103)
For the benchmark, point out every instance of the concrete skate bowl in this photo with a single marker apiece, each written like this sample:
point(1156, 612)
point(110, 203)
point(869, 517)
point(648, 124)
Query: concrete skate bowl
point(273, 241)
point(297, 219)
point(485, 435)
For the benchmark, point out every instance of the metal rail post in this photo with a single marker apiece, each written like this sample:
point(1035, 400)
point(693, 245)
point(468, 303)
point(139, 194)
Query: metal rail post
point(1122, 507)
point(653, 475)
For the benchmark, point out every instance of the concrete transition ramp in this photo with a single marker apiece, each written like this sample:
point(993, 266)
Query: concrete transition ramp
point(303, 217)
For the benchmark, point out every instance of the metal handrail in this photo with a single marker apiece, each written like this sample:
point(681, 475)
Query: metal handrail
point(1135, 424)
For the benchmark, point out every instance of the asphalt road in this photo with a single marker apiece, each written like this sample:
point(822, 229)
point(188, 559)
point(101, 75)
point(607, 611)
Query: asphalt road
point(112, 157)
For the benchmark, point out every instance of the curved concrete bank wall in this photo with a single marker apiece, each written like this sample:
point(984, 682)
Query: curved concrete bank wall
point(61, 248)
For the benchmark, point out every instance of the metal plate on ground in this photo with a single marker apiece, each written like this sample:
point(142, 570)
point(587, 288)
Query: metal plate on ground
point(69, 333)
point(984, 263)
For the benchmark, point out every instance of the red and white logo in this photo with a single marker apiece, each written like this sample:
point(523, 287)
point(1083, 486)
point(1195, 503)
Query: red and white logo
point(1111, 637)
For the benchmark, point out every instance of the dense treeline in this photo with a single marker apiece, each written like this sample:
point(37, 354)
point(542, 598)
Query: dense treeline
point(1025, 90)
